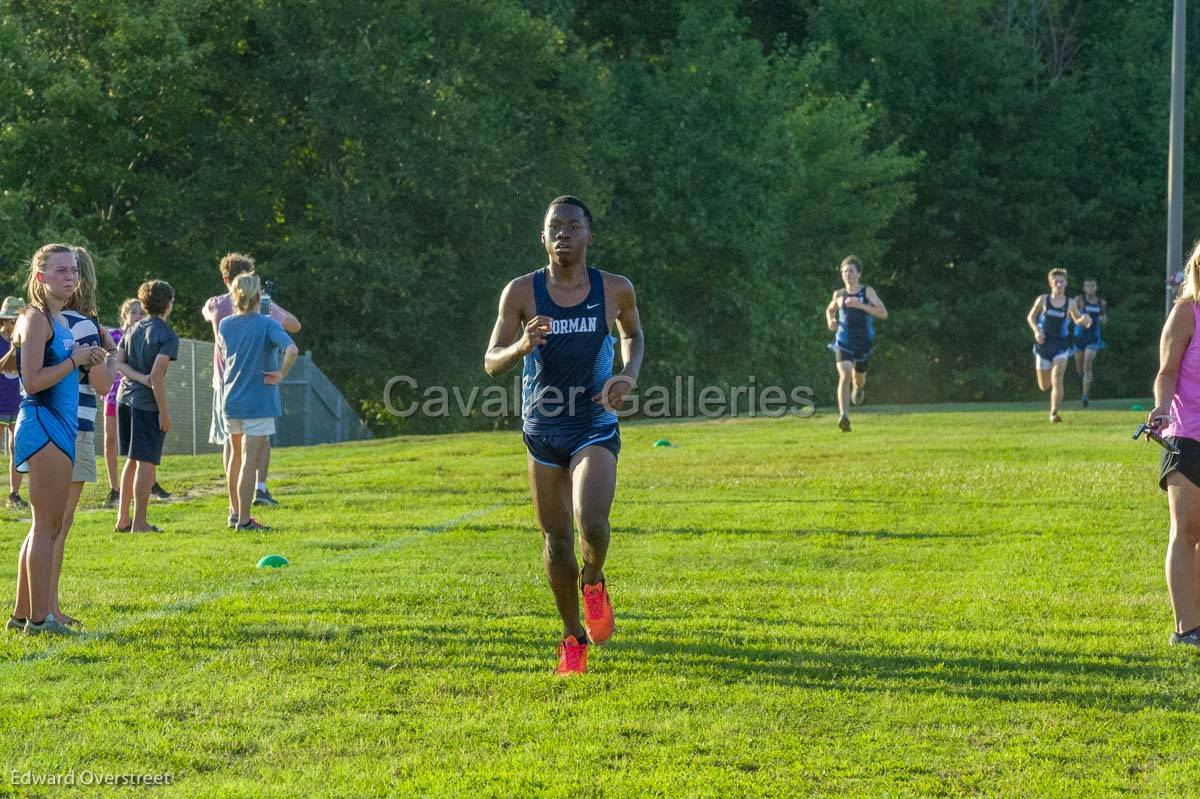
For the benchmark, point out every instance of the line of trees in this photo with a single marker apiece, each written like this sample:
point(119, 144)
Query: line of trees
point(388, 162)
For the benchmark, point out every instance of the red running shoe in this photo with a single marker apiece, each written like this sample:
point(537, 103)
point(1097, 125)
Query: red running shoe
point(572, 656)
point(597, 613)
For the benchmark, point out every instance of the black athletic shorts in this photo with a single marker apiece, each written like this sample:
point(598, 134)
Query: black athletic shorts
point(138, 435)
point(860, 361)
point(1187, 462)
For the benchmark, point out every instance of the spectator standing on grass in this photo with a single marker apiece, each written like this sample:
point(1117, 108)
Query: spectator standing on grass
point(48, 359)
point(1176, 414)
point(94, 379)
point(131, 313)
point(215, 310)
point(10, 399)
point(250, 403)
point(143, 417)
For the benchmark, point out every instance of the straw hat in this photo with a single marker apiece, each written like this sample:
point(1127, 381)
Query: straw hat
point(11, 307)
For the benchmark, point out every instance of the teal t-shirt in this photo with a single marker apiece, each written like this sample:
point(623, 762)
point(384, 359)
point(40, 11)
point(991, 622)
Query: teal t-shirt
point(250, 344)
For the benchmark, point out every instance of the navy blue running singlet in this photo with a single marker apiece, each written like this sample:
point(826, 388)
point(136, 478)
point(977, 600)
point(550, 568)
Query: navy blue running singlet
point(562, 375)
point(856, 327)
point(1090, 336)
point(1055, 326)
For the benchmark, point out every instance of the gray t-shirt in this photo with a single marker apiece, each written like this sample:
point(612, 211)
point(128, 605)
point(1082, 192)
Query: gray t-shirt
point(144, 342)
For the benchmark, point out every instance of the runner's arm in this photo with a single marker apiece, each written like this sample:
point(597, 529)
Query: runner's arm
point(510, 340)
point(1034, 312)
point(831, 312)
point(1176, 335)
point(876, 308)
point(629, 325)
point(1075, 309)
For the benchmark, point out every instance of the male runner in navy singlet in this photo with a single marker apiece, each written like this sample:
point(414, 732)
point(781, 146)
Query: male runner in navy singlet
point(557, 321)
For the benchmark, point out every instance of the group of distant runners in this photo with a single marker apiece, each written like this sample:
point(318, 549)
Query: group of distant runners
point(1061, 328)
point(1064, 327)
point(67, 363)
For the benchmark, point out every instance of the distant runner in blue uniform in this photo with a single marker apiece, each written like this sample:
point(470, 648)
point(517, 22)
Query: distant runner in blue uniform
point(1092, 312)
point(557, 321)
point(851, 314)
point(1050, 320)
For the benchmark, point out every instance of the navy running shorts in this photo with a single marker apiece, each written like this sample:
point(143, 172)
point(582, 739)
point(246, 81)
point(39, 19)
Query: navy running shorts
point(557, 450)
point(860, 360)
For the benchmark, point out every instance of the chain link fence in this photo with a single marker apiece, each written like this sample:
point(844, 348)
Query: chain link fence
point(314, 411)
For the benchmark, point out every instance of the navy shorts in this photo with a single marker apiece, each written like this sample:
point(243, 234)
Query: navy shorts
point(861, 360)
point(138, 435)
point(557, 450)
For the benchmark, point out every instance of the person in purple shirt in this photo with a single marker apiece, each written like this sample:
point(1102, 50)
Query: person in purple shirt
point(10, 399)
point(1176, 415)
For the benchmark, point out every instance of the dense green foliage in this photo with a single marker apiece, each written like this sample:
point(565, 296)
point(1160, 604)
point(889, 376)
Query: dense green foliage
point(799, 613)
point(388, 164)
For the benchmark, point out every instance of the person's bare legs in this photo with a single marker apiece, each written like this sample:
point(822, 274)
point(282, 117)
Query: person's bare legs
point(845, 384)
point(232, 455)
point(1057, 371)
point(143, 479)
point(251, 456)
point(551, 489)
point(593, 485)
point(49, 475)
point(14, 477)
point(1182, 566)
point(60, 546)
point(1043, 379)
point(1089, 358)
point(264, 463)
point(860, 382)
point(128, 475)
point(110, 451)
point(21, 609)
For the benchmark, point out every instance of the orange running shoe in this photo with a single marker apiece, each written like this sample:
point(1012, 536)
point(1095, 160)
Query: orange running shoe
point(597, 613)
point(572, 656)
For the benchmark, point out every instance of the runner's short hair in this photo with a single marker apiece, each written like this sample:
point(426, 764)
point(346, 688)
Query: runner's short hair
point(570, 199)
point(155, 296)
point(851, 260)
point(1057, 271)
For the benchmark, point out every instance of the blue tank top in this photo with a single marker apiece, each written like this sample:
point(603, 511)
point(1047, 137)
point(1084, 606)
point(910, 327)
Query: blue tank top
point(1055, 325)
point(1092, 309)
point(562, 375)
point(62, 398)
point(856, 327)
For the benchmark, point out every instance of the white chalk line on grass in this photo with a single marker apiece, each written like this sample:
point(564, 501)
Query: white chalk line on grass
point(177, 608)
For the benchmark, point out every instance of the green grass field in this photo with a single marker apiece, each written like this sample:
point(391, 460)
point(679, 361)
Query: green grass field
point(955, 603)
